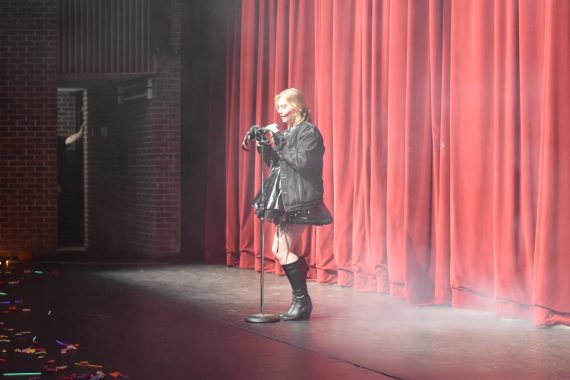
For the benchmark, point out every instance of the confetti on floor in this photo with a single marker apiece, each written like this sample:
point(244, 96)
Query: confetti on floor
point(21, 355)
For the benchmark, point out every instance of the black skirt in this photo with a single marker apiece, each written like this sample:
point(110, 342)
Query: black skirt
point(270, 206)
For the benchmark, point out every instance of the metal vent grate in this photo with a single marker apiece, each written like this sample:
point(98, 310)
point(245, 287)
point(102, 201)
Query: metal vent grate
point(98, 37)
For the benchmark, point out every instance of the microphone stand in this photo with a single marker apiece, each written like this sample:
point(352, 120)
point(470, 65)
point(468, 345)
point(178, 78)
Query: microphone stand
point(262, 317)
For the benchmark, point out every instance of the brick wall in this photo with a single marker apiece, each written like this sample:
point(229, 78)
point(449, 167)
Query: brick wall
point(133, 150)
point(28, 143)
point(66, 113)
point(134, 165)
point(166, 114)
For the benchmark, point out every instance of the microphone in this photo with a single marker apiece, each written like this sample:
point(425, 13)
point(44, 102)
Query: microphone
point(255, 133)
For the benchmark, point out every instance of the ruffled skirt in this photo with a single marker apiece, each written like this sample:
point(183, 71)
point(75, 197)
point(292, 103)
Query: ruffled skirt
point(270, 205)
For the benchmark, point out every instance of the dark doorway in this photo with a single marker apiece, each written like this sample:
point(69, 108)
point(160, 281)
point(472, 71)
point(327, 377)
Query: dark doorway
point(70, 169)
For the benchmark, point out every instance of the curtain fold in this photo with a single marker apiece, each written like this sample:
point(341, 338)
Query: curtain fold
point(552, 260)
point(447, 145)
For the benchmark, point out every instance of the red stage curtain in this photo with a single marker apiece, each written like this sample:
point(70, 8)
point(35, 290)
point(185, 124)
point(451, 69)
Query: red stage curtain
point(447, 145)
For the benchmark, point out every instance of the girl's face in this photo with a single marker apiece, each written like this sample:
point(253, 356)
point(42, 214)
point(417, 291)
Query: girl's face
point(286, 112)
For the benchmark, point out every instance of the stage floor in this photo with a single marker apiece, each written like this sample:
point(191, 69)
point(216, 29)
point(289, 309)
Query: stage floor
point(186, 321)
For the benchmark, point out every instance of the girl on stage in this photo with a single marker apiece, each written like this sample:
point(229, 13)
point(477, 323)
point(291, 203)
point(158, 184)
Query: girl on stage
point(293, 192)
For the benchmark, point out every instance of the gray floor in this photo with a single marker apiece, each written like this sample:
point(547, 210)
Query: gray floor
point(187, 322)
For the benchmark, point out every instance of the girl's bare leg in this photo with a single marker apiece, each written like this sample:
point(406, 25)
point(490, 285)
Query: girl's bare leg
point(286, 236)
point(284, 240)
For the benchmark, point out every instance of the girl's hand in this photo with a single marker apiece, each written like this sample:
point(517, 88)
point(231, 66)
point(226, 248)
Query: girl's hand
point(272, 127)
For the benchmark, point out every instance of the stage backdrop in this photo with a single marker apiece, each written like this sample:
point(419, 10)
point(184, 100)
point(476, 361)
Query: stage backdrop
point(446, 126)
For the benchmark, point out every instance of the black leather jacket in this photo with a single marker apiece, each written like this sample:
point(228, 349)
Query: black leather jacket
point(299, 153)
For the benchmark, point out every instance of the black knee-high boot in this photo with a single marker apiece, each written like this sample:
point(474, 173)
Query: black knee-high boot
point(305, 267)
point(301, 306)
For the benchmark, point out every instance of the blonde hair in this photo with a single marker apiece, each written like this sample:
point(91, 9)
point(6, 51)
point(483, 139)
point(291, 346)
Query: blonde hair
point(296, 100)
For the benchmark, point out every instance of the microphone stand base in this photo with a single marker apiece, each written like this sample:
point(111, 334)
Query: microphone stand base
point(262, 318)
